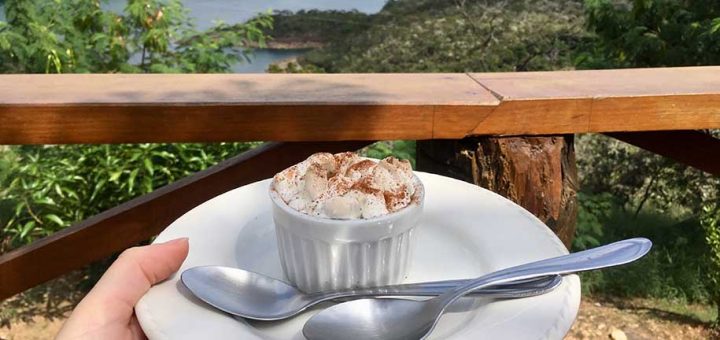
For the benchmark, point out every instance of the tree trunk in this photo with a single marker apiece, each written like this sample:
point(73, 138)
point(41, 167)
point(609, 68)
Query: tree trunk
point(538, 173)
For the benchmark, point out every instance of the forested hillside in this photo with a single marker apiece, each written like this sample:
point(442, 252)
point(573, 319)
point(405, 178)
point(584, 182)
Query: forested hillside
point(460, 36)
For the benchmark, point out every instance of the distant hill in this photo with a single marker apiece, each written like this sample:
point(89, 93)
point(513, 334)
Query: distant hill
point(445, 36)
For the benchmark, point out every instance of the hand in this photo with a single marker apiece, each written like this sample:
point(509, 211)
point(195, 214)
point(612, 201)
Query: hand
point(107, 312)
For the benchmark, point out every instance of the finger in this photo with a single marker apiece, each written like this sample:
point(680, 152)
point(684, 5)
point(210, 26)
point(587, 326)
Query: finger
point(137, 269)
point(109, 305)
point(136, 331)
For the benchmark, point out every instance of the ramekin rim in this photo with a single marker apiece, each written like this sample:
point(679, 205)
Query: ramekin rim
point(416, 202)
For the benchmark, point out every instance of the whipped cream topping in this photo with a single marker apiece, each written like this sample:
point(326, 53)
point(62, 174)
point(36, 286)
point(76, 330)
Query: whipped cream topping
point(346, 186)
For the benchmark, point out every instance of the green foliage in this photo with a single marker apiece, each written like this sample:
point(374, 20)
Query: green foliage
point(652, 33)
point(316, 25)
point(54, 186)
point(593, 211)
point(628, 192)
point(156, 36)
point(44, 189)
point(7, 161)
point(676, 268)
point(459, 36)
point(711, 224)
point(402, 149)
point(643, 179)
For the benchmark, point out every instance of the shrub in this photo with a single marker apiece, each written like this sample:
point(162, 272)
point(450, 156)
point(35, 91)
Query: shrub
point(711, 224)
point(402, 149)
point(46, 188)
point(675, 268)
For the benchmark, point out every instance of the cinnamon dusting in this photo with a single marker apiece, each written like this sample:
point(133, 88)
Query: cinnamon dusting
point(378, 187)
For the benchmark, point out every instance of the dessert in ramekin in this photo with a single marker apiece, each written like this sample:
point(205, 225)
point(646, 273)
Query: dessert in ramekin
point(344, 221)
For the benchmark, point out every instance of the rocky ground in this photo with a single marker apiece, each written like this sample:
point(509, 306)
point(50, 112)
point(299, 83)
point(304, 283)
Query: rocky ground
point(40, 329)
point(640, 320)
point(598, 319)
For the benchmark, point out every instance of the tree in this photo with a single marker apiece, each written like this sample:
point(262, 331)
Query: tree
point(150, 36)
point(652, 33)
point(45, 189)
point(460, 36)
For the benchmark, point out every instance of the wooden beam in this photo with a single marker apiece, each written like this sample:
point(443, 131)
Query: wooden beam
point(145, 216)
point(693, 148)
point(602, 100)
point(119, 108)
point(97, 124)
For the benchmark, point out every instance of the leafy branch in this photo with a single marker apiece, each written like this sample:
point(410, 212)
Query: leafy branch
point(149, 36)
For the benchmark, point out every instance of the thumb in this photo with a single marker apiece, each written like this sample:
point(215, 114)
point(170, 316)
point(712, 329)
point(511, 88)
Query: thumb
point(113, 298)
point(132, 275)
point(138, 268)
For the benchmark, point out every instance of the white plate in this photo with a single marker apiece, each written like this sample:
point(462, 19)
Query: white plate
point(465, 232)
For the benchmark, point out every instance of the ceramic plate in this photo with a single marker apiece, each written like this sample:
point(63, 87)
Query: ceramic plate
point(465, 232)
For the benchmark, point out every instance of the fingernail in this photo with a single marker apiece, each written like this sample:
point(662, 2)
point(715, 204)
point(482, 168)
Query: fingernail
point(177, 240)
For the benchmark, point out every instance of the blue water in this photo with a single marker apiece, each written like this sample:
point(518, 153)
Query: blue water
point(206, 12)
point(232, 11)
point(263, 57)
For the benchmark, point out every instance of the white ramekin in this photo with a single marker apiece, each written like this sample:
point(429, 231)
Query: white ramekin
point(321, 254)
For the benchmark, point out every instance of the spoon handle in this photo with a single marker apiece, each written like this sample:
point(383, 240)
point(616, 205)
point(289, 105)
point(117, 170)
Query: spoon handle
point(436, 288)
point(613, 254)
point(515, 289)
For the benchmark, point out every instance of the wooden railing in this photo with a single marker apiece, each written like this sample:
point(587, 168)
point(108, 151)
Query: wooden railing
point(657, 109)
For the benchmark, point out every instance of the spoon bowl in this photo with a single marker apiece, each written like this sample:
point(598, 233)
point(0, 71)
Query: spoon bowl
point(368, 318)
point(394, 319)
point(244, 293)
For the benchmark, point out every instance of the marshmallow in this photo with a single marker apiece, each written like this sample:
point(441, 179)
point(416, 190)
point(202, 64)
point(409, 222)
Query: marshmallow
point(346, 186)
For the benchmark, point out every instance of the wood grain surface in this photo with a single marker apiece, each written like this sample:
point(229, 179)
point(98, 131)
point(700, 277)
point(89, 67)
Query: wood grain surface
point(119, 108)
point(603, 100)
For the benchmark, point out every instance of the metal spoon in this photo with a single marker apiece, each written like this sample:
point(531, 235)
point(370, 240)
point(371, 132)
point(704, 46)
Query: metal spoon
point(407, 319)
point(259, 297)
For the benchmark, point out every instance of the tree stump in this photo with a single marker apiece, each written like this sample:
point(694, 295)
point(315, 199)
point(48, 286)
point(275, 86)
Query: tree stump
point(538, 173)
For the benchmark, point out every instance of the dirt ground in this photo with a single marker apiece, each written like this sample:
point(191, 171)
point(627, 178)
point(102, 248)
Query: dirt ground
point(632, 320)
point(39, 329)
point(638, 320)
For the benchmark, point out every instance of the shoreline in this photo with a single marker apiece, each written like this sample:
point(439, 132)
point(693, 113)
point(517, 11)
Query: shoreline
point(291, 44)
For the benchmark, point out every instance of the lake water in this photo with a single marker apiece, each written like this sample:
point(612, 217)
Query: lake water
point(206, 12)
point(263, 57)
point(232, 11)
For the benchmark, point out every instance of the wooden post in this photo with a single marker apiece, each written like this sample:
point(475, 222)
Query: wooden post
point(538, 173)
